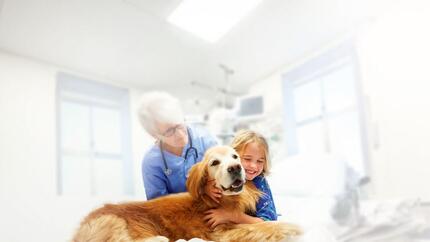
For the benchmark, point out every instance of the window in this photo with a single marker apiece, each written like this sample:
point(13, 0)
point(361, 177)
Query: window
point(94, 156)
point(323, 112)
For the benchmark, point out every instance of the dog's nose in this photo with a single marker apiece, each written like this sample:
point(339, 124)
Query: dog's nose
point(234, 169)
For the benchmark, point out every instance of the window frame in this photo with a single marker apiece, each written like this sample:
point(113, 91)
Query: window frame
point(94, 94)
point(319, 66)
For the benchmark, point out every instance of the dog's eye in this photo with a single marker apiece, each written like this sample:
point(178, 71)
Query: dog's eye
point(215, 163)
point(234, 156)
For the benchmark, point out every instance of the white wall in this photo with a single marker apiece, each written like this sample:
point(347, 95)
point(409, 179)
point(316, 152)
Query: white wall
point(394, 53)
point(28, 200)
point(27, 127)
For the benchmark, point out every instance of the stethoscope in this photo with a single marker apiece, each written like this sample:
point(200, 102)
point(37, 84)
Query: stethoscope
point(190, 149)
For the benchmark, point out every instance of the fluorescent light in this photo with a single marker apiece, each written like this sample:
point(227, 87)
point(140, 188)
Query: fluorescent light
point(210, 19)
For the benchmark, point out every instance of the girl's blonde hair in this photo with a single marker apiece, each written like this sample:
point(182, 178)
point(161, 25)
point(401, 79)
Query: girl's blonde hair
point(245, 137)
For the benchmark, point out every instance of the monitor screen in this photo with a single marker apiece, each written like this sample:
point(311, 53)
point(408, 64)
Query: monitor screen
point(250, 106)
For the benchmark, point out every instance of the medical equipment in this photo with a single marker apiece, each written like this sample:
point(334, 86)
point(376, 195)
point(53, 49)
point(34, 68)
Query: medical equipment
point(226, 95)
point(190, 149)
point(249, 108)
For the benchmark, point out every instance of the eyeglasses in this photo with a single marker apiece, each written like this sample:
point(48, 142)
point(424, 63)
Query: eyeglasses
point(171, 131)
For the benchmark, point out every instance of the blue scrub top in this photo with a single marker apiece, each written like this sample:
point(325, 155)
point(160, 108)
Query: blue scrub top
point(156, 182)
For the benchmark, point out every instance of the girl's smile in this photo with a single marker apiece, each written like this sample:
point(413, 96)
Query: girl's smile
point(253, 159)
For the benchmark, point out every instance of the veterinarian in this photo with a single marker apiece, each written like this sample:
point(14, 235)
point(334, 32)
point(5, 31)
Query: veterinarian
point(177, 147)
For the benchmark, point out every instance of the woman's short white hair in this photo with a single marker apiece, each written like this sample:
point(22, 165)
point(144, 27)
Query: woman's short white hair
point(159, 107)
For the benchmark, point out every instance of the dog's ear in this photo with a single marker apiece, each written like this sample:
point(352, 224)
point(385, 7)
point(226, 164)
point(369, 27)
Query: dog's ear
point(197, 179)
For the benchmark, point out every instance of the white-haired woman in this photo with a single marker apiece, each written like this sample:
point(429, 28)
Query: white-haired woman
point(178, 146)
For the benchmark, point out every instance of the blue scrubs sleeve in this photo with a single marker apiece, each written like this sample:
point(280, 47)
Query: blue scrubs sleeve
point(153, 181)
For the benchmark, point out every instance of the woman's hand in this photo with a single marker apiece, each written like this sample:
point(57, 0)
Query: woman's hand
point(218, 216)
point(212, 191)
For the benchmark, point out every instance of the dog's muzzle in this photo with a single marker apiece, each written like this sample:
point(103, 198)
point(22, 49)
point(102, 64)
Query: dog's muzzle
point(236, 186)
point(235, 172)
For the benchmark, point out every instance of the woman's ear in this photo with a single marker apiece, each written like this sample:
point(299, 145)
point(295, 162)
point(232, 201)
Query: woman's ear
point(197, 179)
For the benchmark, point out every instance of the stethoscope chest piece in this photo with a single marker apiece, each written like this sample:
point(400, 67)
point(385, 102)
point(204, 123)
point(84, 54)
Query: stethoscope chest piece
point(168, 171)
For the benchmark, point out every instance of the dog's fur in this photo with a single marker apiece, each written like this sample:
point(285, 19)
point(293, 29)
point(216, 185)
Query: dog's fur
point(180, 216)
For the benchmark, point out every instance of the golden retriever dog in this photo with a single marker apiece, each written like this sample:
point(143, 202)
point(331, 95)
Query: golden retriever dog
point(180, 216)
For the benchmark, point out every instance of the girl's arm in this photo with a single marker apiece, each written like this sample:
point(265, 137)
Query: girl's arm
point(266, 211)
point(243, 218)
point(219, 216)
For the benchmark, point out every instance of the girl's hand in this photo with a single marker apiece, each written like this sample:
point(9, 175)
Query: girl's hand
point(212, 191)
point(218, 216)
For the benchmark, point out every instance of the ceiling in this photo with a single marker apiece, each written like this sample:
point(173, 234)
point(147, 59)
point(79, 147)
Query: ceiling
point(130, 41)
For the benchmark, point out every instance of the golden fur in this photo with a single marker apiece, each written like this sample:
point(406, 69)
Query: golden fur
point(180, 216)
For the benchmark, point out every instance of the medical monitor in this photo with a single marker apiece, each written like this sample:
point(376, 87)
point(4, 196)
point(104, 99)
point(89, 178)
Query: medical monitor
point(250, 107)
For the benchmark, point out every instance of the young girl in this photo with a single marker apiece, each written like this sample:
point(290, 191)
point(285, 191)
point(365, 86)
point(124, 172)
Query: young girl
point(254, 154)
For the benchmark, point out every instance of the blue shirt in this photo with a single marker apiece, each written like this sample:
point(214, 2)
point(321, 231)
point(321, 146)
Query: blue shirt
point(265, 206)
point(156, 182)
